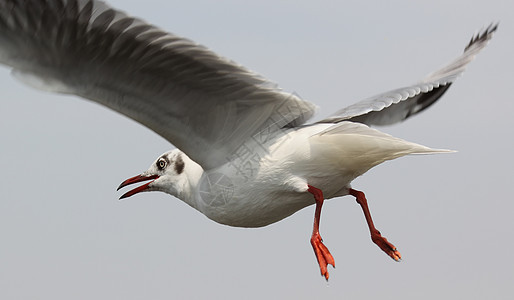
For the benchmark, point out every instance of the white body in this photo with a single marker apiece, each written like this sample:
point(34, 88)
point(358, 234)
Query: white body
point(268, 182)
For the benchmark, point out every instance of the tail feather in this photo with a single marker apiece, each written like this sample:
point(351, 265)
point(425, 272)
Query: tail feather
point(357, 147)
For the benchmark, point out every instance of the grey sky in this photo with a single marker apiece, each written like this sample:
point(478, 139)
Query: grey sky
point(64, 234)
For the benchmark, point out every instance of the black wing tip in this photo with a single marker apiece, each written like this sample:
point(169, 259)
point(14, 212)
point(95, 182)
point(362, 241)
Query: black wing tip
point(483, 35)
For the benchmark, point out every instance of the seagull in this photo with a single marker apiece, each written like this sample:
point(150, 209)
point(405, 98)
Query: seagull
point(245, 154)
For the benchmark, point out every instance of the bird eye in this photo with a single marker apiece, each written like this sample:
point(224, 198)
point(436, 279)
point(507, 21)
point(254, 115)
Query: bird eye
point(161, 163)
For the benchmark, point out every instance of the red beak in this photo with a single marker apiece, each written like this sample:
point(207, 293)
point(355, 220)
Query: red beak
point(136, 179)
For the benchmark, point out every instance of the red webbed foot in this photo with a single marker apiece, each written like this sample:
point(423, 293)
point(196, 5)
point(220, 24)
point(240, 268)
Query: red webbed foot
point(385, 245)
point(322, 255)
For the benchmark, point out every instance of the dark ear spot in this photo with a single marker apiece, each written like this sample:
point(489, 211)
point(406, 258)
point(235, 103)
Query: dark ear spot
point(179, 164)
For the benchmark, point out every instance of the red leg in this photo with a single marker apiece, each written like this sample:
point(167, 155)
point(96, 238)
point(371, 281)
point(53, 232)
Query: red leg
point(376, 237)
point(321, 251)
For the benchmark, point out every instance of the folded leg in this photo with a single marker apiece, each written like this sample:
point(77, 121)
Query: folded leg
point(376, 237)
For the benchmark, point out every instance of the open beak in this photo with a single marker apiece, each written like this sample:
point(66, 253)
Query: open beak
point(136, 179)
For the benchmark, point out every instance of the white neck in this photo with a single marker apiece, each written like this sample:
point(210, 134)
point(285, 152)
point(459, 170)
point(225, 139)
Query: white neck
point(188, 191)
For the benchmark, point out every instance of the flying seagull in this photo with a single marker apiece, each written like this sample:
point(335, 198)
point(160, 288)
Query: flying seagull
point(247, 155)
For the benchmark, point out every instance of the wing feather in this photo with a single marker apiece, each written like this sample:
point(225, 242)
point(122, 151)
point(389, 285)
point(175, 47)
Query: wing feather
point(397, 105)
point(204, 104)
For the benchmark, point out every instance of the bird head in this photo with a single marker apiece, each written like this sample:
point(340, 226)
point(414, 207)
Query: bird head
point(170, 173)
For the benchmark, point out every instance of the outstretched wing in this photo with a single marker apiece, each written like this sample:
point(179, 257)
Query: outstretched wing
point(397, 105)
point(202, 103)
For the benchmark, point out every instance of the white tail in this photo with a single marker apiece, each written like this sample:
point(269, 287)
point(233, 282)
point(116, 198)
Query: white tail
point(357, 147)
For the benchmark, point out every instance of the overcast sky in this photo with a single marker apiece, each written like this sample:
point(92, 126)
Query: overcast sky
point(64, 234)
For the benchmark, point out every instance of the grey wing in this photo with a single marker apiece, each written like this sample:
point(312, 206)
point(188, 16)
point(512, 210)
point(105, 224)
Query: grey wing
point(397, 105)
point(202, 103)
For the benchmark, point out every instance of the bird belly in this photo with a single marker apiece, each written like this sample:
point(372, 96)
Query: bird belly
point(265, 183)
